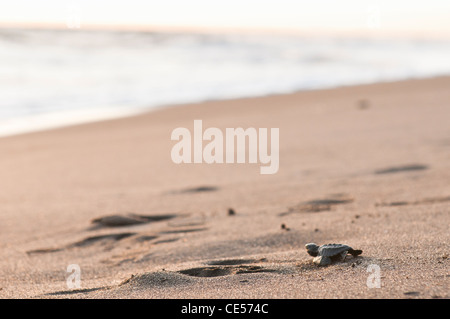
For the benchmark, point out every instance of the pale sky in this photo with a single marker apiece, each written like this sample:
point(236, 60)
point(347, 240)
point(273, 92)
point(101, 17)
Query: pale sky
point(413, 16)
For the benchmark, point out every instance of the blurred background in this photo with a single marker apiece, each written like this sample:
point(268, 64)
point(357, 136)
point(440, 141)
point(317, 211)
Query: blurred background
point(67, 62)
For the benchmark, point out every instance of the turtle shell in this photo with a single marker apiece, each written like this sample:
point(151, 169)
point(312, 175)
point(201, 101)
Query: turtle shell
point(330, 250)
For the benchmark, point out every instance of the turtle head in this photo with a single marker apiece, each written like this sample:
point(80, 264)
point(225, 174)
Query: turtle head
point(312, 249)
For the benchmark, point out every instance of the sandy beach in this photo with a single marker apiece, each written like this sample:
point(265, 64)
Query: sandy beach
point(368, 166)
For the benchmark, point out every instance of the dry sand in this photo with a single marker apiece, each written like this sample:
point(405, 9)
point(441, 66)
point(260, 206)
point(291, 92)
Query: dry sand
point(383, 149)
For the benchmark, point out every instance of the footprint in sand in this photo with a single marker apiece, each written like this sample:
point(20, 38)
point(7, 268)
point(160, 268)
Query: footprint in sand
point(399, 169)
point(43, 251)
point(433, 200)
point(88, 241)
point(101, 239)
point(113, 221)
point(116, 237)
point(319, 205)
point(224, 271)
point(129, 220)
point(225, 267)
point(193, 190)
point(75, 291)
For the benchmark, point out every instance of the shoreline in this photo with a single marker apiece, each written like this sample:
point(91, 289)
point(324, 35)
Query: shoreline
point(61, 120)
point(365, 166)
point(244, 31)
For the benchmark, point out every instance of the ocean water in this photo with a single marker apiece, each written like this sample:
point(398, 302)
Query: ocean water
point(51, 78)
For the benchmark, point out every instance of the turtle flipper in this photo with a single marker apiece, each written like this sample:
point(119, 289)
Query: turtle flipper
point(355, 252)
point(322, 261)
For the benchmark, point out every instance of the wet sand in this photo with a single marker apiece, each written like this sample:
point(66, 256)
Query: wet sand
point(368, 166)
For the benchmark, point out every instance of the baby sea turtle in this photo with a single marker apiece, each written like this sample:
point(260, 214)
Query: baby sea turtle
point(326, 254)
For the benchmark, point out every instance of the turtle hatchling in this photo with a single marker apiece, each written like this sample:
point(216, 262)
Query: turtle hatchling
point(324, 255)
